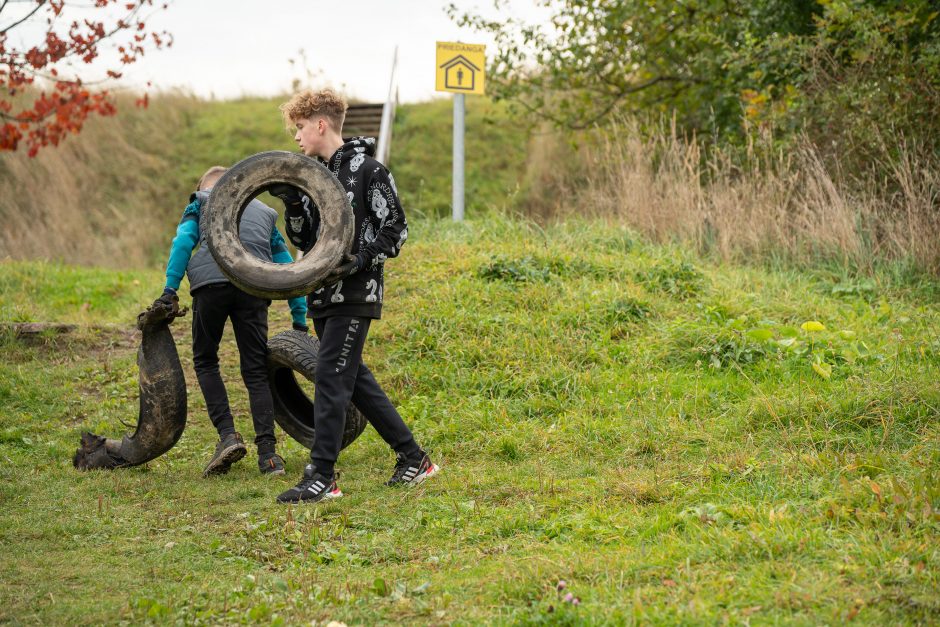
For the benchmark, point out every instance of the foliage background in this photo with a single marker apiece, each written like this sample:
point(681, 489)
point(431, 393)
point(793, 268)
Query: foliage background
point(850, 74)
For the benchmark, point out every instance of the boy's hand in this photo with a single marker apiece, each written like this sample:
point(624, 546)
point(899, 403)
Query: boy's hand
point(296, 203)
point(168, 298)
point(300, 327)
point(288, 194)
point(348, 267)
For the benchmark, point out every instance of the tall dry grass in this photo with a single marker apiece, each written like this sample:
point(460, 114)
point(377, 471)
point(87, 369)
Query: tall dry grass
point(757, 204)
point(91, 200)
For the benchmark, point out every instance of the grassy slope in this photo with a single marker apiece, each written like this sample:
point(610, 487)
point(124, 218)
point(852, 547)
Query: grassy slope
point(224, 132)
point(583, 435)
point(139, 167)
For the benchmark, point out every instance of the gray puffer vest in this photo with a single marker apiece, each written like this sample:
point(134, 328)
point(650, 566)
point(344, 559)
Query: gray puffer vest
point(257, 223)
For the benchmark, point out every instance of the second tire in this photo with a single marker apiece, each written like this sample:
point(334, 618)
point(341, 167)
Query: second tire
point(292, 352)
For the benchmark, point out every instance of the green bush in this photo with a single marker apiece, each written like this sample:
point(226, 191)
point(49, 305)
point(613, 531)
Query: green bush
point(861, 77)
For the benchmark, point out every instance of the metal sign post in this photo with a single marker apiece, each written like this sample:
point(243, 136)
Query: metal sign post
point(460, 71)
point(460, 109)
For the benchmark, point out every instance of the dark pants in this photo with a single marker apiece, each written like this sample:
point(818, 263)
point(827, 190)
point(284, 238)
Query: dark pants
point(341, 377)
point(212, 306)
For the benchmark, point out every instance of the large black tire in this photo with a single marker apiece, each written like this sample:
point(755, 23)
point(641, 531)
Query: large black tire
point(295, 351)
point(244, 181)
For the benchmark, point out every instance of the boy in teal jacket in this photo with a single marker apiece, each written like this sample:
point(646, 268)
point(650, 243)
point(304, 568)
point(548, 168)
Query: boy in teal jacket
point(216, 300)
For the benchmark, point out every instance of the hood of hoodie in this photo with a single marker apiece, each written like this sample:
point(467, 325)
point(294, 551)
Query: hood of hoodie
point(348, 151)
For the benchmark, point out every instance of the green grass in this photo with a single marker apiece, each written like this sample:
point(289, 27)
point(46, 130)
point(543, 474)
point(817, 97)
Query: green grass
point(644, 425)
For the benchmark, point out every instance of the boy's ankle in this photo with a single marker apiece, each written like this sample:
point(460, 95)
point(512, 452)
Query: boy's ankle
point(225, 432)
point(414, 453)
point(270, 463)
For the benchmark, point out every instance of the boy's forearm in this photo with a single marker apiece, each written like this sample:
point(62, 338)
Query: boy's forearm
point(298, 310)
point(187, 235)
point(393, 233)
point(302, 223)
point(298, 305)
point(388, 242)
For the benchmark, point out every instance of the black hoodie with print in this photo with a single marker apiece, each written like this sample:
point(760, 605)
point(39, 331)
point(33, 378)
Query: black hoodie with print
point(380, 231)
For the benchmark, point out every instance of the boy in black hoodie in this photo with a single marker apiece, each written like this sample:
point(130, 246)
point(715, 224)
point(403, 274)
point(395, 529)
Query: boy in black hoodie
point(351, 298)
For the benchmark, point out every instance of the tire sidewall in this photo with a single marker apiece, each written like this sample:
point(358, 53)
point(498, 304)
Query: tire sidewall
point(232, 193)
point(297, 351)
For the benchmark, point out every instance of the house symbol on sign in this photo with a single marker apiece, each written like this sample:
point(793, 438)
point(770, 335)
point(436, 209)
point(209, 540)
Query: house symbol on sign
point(459, 73)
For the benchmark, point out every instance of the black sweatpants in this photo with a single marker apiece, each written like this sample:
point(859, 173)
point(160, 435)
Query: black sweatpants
point(341, 377)
point(212, 306)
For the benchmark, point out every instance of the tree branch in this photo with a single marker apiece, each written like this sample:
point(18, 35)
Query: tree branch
point(16, 118)
point(38, 6)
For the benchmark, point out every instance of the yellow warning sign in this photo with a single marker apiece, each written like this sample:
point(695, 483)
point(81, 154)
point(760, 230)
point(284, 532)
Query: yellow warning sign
point(461, 67)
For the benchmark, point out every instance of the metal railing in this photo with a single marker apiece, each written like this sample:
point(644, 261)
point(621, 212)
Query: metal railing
point(384, 149)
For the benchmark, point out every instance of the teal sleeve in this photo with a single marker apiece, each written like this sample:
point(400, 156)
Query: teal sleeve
point(280, 254)
point(187, 236)
point(278, 244)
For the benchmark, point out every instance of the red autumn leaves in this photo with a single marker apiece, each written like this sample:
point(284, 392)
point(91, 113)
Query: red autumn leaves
point(42, 97)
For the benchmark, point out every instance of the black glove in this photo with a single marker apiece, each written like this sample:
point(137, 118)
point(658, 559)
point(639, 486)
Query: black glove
point(348, 267)
point(168, 298)
point(300, 327)
point(288, 194)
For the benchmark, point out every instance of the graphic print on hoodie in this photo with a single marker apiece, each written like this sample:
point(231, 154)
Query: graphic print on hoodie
point(380, 231)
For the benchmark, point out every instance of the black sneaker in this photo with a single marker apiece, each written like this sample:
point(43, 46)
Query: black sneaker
point(312, 488)
point(270, 464)
point(229, 450)
point(412, 470)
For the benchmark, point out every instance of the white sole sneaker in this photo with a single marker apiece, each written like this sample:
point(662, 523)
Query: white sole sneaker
point(427, 474)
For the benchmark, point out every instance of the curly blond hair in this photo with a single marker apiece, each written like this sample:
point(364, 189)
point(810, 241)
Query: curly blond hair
point(309, 104)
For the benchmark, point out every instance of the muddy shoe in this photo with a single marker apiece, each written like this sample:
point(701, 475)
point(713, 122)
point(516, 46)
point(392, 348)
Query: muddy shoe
point(271, 464)
point(229, 450)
